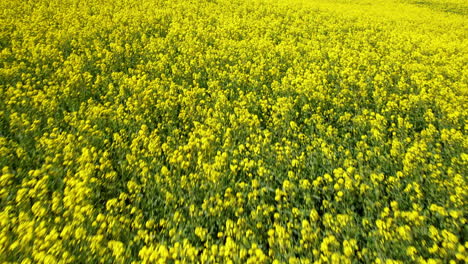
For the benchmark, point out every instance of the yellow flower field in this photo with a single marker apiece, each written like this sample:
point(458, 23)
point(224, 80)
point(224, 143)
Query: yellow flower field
point(248, 131)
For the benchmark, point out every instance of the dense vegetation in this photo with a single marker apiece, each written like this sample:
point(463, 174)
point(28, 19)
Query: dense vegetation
point(233, 131)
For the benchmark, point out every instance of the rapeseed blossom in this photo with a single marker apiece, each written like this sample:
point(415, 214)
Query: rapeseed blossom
point(216, 131)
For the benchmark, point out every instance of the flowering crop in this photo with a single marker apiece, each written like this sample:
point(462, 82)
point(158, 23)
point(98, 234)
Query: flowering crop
point(218, 131)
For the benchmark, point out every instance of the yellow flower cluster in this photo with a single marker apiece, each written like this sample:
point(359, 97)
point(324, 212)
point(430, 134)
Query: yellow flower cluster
point(218, 131)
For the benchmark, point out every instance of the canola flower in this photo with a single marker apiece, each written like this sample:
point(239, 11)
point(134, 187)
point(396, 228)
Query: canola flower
point(216, 131)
